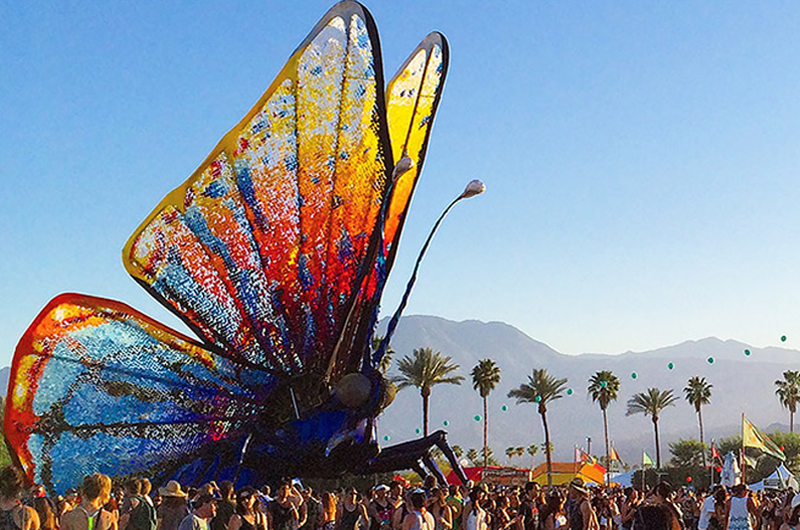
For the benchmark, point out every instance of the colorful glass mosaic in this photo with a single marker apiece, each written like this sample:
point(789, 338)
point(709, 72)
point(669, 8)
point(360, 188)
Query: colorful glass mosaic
point(275, 253)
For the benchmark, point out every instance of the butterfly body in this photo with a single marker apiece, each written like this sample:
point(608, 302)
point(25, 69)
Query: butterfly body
point(274, 253)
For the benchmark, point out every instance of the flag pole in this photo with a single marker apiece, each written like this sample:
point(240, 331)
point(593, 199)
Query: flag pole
point(711, 466)
point(744, 463)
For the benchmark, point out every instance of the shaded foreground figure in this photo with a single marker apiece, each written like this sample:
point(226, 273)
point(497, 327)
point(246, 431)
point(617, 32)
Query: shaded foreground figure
point(13, 515)
point(89, 514)
point(657, 512)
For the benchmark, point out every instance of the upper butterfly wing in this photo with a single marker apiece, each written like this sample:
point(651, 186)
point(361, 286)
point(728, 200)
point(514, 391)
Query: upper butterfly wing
point(412, 98)
point(97, 386)
point(263, 249)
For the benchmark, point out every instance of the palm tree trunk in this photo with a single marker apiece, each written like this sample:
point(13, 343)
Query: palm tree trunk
point(605, 429)
point(702, 443)
point(485, 431)
point(425, 397)
point(658, 447)
point(791, 420)
point(547, 449)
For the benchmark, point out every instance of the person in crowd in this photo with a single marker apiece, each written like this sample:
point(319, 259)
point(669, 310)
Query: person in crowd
point(351, 510)
point(419, 518)
point(246, 516)
point(47, 515)
point(204, 509)
point(329, 514)
point(310, 510)
point(581, 515)
point(456, 504)
point(89, 514)
point(282, 512)
point(657, 511)
point(380, 509)
point(226, 506)
point(438, 508)
point(741, 509)
point(474, 517)
point(13, 514)
point(792, 522)
point(173, 508)
point(553, 516)
point(529, 507)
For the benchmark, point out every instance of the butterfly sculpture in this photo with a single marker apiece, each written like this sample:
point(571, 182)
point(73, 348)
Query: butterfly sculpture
point(275, 253)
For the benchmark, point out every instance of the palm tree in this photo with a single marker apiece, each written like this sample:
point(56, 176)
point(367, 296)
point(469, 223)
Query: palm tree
point(510, 452)
point(532, 450)
point(541, 388)
point(604, 388)
point(698, 393)
point(425, 369)
point(386, 360)
point(472, 455)
point(788, 392)
point(651, 403)
point(485, 376)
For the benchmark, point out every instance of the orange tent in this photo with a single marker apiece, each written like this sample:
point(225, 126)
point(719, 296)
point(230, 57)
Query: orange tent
point(563, 472)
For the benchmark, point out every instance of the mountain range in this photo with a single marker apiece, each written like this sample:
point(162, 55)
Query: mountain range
point(742, 384)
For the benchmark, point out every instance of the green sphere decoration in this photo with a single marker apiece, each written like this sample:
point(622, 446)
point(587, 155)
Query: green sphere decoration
point(477, 417)
point(634, 375)
point(603, 384)
point(417, 431)
point(445, 423)
point(747, 352)
point(537, 399)
point(387, 438)
point(710, 360)
point(504, 408)
point(569, 391)
point(670, 366)
point(783, 338)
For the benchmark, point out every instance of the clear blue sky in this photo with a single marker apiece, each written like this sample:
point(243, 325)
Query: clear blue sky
point(641, 158)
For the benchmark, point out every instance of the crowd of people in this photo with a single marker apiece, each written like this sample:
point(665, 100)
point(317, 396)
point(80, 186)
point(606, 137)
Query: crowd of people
point(399, 505)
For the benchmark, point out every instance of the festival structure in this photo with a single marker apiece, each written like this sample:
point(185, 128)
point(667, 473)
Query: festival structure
point(275, 252)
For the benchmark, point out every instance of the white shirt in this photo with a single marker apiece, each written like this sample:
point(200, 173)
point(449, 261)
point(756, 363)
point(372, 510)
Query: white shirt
point(705, 513)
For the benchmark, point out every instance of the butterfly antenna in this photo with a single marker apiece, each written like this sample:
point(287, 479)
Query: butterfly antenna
point(475, 187)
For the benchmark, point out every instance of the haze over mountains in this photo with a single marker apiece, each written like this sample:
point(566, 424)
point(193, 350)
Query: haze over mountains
point(741, 384)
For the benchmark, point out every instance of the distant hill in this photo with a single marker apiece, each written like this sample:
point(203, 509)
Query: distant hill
point(741, 384)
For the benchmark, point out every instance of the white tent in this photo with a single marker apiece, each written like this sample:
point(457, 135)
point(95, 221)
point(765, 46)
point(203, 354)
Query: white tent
point(780, 479)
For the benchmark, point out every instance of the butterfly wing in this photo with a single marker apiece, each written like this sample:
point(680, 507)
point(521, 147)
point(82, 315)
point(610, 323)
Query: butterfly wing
point(97, 386)
point(412, 98)
point(263, 249)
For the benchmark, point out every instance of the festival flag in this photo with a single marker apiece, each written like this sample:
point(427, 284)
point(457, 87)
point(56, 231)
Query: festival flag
point(614, 455)
point(646, 460)
point(714, 452)
point(752, 437)
point(578, 454)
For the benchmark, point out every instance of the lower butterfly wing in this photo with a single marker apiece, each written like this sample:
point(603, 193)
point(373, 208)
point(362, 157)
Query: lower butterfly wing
point(412, 98)
point(263, 249)
point(97, 386)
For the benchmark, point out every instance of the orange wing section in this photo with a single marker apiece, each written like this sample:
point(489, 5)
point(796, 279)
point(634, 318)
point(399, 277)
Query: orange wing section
point(259, 251)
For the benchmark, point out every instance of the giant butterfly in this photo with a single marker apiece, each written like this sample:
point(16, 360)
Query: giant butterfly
point(275, 253)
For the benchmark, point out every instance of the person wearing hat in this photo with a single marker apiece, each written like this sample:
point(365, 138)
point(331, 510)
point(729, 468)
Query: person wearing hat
point(204, 508)
point(579, 509)
point(380, 509)
point(246, 517)
point(173, 508)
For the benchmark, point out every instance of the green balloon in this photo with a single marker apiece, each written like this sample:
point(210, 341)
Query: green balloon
point(747, 352)
point(417, 431)
point(537, 399)
point(670, 366)
point(569, 391)
point(445, 423)
point(504, 408)
point(603, 384)
point(783, 338)
point(387, 438)
point(477, 417)
point(634, 375)
point(710, 360)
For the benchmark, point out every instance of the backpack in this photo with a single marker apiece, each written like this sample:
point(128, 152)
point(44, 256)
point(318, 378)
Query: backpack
point(143, 517)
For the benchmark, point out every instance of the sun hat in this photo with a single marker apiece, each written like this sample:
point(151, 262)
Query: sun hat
point(578, 484)
point(172, 489)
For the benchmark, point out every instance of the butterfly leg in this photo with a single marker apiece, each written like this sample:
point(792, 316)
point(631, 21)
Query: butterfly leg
point(411, 455)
